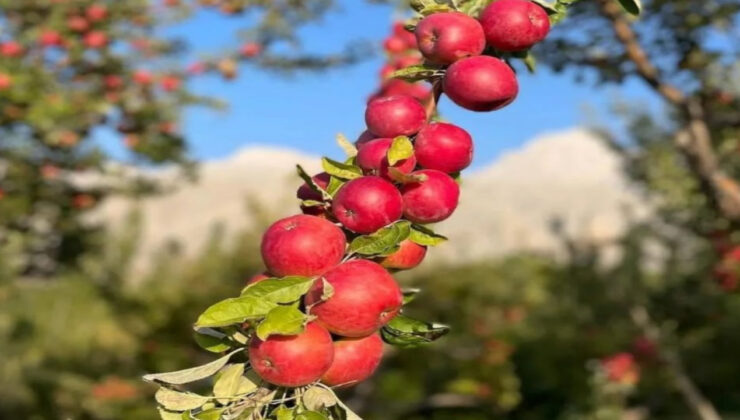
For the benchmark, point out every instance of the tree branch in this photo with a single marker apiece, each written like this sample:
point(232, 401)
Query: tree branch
point(694, 140)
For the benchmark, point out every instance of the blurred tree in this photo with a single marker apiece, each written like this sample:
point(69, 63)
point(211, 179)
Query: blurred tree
point(71, 70)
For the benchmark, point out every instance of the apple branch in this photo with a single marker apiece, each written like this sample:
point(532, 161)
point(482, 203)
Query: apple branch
point(694, 140)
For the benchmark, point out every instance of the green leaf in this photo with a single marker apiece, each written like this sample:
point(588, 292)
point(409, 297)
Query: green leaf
point(531, 62)
point(419, 72)
point(310, 182)
point(284, 413)
point(235, 311)
point(317, 398)
point(193, 374)
point(347, 413)
point(212, 340)
point(346, 145)
point(472, 7)
point(381, 241)
point(283, 320)
point(168, 415)
point(403, 331)
point(425, 236)
point(311, 415)
point(228, 382)
point(427, 7)
point(409, 294)
point(633, 7)
point(550, 8)
point(173, 400)
point(340, 170)
point(312, 203)
point(403, 178)
point(334, 185)
point(401, 149)
point(212, 414)
point(282, 290)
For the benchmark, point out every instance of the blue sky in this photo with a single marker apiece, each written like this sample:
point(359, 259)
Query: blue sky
point(306, 110)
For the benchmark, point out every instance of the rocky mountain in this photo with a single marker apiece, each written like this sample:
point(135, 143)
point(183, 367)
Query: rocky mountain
point(568, 178)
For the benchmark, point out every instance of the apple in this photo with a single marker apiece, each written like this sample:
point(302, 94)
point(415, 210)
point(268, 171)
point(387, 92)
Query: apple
point(11, 49)
point(444, 38)
point(302, 245)
point(355, 359)
point(395, 87)
point(170, 83)
point(400, 31)
point(366, 204)
point(514, 25)
point(399, 115)
point(394, 45)
point(431, 200)
point(409, 255)
point(250, 49)
point(621, 368)
point(373, 158)
point(480, 83)
point(444, 147)
point(143, 77)
point(307, 193)
point(96, 12)
point(78, 24)
point(95, 39)
point(365, 298)
point(5, 81)
point(365, 137)
point(264, 275)
point(113, 82)
point(50, 38)
point(295, 360)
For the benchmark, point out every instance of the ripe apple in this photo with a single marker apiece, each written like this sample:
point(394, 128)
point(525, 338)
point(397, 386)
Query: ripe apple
point(621, 368)
point(366, 204)
point(259, 277)
point(431, 200)
point(95, 39)
point(365, 298)
point(355, 359)
point(373, 158)
point(394, 45)
point(481, 83)
point(392, 116)
point(96, 12)
point(250, 49)
point(50, 38)
point(113, 82)
point(11, 49)
point(444, 38)
point(143, 77)
point(295, 360)
point(514, 25)
point(409, 255)
point(78, 24)
point(365, 137)
point(5, 81)
point(395, 87)
point(444, 147)
point(400, 31)
point(307, 193)
point(170, 83)
point(302, 245)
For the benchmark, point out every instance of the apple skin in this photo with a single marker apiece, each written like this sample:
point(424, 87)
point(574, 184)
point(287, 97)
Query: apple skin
point(306, 193)
point(373, 159)
point(398, 115)
point(444, 38)
point(394, 45)
point(11, 49)
point(366, 204)
point(514, 25)
point(444, 147)
point(480, 83)
point(264, 275)
point(409, 255)
point(302, 245)
point(366, 297)
point(432, 200)
point(5, 82)
point(295, 360)
point(355, 359)
point(365, 137)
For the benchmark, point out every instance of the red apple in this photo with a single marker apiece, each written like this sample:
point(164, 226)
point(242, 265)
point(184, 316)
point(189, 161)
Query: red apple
point(259, 277)
point(431, 200)
point(355, 359)
point(307, 193)
point(78, 24)
point(444, 147)
point(143, 77)
point(394, 45)
point(621, 368)
point(250, 49)
point(365, 137)
point(514, 25)
point(365, 298)
point(295, 360)
point(400, 31)
point(409, 255)
point(196, 68)
point(395, 87)
point(95, 39)
point(5, 81)
point(170, 83)
point(50, 38)
point(302, 245)
point(481, 83)
point(373, 158)
point(11, 49)
point(392, 116)
point(113, 82)
point(366, 204)
point(444, 38)
point(96, 12)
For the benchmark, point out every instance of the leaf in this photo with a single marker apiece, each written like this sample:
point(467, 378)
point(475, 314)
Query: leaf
point(311, 183)
point(340, 170)
point(317, 398)
point(531, 62)
point(409, 294)
point(633, 7)
point(173, 400)
point(284, 413)
point(235, 311)
point(228, 382)
point(212, 414)
point(168, 415)
point(549, 8)
point(283, 290)
point(403, 178)
point(471, 7)
point(312, 203)
point(283, 320)
point(346, 145)
point(425, 236)
point(334, 185)
point(403, 331)
point(427, 7)
point(348, 414)
point(327, 290)
point(419, 72)
point(212, 340)
point(193, 374)
point(311, 415)
point(401, 149)
point(382, 240)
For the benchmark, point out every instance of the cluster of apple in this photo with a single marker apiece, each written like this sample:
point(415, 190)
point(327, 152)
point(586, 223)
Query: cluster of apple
point(406, 168)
